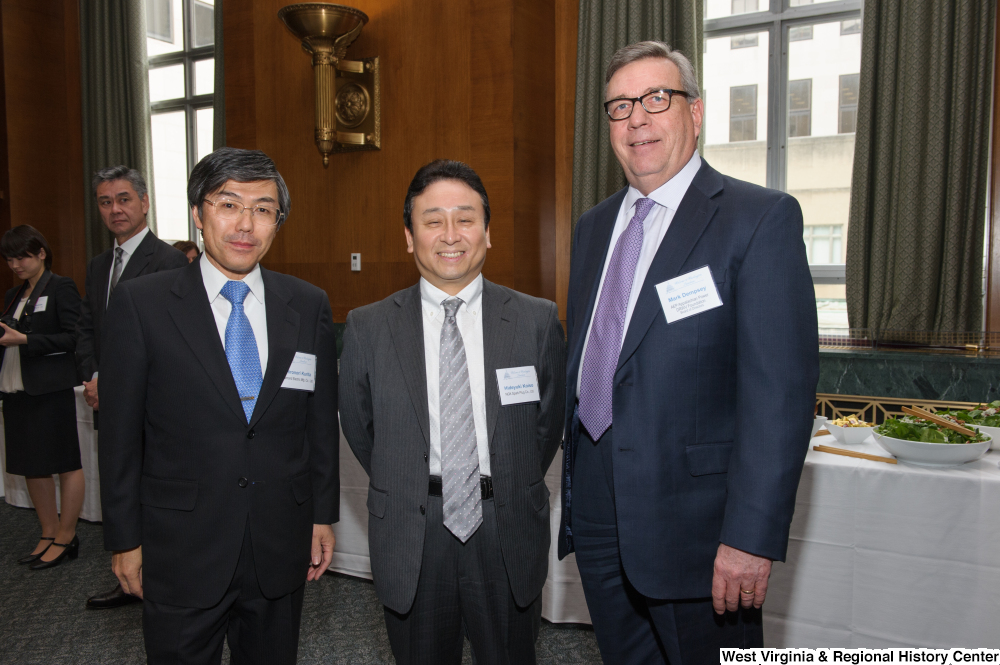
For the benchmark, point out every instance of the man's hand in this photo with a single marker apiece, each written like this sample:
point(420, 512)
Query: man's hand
point(737, 571)
point(127, 566)
point(90, 392)
point(11, 337)
point(322, 550)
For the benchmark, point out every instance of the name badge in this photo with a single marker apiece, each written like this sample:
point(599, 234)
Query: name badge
point(518, 385)
point(41, 303)
point(689, 294)
point(302, 373)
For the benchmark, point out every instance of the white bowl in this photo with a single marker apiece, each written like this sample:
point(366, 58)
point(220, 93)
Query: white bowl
point(992, 431)
point(818, 422)
point(932, 454)
point(849, 434)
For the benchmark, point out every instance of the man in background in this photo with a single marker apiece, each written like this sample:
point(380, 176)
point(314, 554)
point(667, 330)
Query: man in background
point(219, 453)
point(451, 398)
point(692, 369)
point(123, 201)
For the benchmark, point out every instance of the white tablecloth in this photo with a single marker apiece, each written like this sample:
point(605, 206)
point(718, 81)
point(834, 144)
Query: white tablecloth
point(14, 489)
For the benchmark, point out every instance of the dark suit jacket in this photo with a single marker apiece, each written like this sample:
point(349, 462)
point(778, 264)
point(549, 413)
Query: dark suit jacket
point(181, 469)
point(47, 362)
point(712, 413)
point(152, 255)
point(383, 390)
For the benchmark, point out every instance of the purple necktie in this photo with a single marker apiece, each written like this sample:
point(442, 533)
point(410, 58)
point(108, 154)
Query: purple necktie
point(604, 345)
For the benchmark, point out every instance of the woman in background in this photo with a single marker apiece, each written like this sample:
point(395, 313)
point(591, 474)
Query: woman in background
point(189, 248)
point(37, 376)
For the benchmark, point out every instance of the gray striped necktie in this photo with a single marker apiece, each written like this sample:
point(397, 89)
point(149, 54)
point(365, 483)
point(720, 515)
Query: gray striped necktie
point(116, 272)
point(463, 508)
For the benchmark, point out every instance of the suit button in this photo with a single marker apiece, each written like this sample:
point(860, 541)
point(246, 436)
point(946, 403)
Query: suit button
point(251, 434)
point(422, 511)
point(243, 482)
point(425, 457)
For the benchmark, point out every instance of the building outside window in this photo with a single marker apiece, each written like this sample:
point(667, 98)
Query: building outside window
point(743, 113)
point(180, 36)
point(803, 67)
point(800, 108)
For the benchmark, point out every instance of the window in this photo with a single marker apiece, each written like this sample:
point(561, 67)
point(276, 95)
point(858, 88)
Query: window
point(180, 44)
point(800, 108)
point(848, 120)
point(801, 83)
point(800, 33)
point(850, 27)
point(743, 113)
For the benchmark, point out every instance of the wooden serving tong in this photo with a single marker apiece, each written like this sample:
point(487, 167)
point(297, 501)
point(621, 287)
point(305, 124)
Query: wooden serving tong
point(937, 420)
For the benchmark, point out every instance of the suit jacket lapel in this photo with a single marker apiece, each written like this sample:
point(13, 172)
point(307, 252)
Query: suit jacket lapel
point(407, 329)
point(499, 322)
point(691, 219)
point(593, 259)
point(192, 314)
point(140, 259)
point(282, 339)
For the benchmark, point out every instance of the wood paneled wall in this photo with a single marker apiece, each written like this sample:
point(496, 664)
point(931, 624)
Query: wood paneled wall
point(41, 121)
point(468, 80)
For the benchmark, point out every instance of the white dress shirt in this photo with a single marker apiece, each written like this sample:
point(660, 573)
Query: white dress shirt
point(253, 306)
point(470, 324)
point(667, 198)
point(10, 377)
point(128, 249)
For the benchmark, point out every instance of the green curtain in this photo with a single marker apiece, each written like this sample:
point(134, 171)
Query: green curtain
point(115, 97)
point(219, 103)
point(918, 197)
point(605, 26)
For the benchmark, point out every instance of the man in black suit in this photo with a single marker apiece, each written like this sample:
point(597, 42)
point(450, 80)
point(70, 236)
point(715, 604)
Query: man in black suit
point(452, 396)
point(692, 368)
point(123, 201)
point(219, 451)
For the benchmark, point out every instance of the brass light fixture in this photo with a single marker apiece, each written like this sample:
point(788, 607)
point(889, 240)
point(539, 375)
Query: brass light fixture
point(348, 112)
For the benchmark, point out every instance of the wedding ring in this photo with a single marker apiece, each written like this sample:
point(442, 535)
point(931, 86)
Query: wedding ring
point(747, 592)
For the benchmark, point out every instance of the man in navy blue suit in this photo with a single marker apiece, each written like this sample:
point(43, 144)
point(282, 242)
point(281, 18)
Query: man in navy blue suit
point(691, 381)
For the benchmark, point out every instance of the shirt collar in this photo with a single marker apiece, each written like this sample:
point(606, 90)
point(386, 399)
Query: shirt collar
point(670, 193)
point(132, 243)
point(431, 296)
point(215, 280)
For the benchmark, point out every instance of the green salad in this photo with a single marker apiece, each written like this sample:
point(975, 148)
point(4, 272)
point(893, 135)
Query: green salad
point(983, 415)
point(910, 428)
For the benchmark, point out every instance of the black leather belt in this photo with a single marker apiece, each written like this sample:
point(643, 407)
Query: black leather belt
point(485, 483)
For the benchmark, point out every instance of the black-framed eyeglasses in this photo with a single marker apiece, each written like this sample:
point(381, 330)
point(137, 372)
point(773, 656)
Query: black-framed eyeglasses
point(231, 210)
point(657, 101)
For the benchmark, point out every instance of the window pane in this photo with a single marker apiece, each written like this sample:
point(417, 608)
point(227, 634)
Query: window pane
point(204, 76)
point(717, 8)
point(203, 23)
point(848, 103)
point(850, 27)
point(734, 126)
point(166, 83)
point(203, 122)
point(820, 156)
point(800, 107)
point(743, 41)
point(170, 175)
point(799, 33)
point(164, 26)
point(831, 308)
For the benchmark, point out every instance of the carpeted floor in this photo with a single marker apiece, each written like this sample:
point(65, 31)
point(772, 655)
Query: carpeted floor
point(43, 620)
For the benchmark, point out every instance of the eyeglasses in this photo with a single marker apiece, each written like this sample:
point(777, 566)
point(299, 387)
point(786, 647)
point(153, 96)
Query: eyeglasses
point(259, 214)
point(657, 101)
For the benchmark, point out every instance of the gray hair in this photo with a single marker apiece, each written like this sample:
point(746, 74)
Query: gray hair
point(225, 164)
point(650, 49)
point(113, 173)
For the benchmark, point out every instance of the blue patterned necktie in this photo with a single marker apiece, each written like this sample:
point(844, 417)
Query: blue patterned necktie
point(605, 343)
point(241, 347)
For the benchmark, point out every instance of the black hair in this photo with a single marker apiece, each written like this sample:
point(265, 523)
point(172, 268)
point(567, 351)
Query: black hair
point(225, 164)
point(443, 169)
point(25, 240)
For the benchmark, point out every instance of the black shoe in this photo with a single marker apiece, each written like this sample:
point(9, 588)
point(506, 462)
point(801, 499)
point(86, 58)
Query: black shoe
point(72, 550)
point(109, 599)
point(31, 558)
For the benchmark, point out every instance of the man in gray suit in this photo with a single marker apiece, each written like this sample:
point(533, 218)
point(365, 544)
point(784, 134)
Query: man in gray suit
point(451, 395)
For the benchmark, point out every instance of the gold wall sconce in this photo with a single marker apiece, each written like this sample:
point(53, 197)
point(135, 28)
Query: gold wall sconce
point(348, 112)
